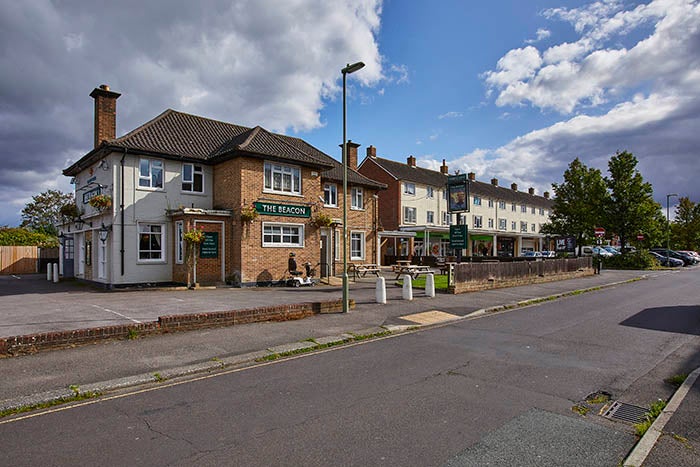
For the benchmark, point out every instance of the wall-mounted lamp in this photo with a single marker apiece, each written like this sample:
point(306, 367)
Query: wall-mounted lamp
point(103, 232)
point(103, 164)
point(61, 238)
point(80, 223)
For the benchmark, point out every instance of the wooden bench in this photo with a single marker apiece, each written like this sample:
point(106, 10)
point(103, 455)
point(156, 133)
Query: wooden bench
point(413, 271)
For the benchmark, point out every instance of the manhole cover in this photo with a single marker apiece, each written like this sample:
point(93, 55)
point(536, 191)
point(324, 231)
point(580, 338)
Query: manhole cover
point(625, 412)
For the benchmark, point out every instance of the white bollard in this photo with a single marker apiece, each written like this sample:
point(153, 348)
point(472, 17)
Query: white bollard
point(407, 287)
point(429, 285)
point(55, 272)
point(380, 293)
point(49, 270)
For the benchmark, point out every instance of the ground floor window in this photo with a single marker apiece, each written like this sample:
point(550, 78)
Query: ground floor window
point(283, 235)
point(151, 242)
point(357, 245)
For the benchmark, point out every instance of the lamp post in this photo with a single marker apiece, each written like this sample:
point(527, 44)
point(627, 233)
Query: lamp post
point(668, 225)
point(346, 71)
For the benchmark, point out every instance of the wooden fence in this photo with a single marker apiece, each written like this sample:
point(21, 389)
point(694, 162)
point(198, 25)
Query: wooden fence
point(26, 259)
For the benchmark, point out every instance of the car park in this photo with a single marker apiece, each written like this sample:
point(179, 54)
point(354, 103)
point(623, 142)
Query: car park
point(687, 259)
point(668, 262)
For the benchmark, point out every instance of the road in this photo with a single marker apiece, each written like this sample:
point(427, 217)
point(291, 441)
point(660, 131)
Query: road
point(498, 389)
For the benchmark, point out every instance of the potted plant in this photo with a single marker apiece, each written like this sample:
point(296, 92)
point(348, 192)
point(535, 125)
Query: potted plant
point(322, 219)
point(101, 202)
point(248, 214)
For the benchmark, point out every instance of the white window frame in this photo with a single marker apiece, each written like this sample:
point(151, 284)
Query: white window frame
point(149, 180)
point(430, 217)
point(523, 208)
point(354, 235)
point(478, 222)
point(477, 200)
point(101, 259)
point(523, 226)
point(502, 224)
point(541, 211)
point(409, 215)
point(513, 226)
point(409, 188)
point(490, 222)
point(501, 205)
point(430, 192)
point(270, 169)
point(337, 234)
point(357, 199)
point(445, 218)
point(490, 203)
point(533, 228)
point(179, 242)
point(282, 226)
point(514, 207)
point(330, 195)
point(197, 170)
point(163, 239)
point(532, 210)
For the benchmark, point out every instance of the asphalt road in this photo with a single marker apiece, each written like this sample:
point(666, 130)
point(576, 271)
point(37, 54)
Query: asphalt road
point(496, 390)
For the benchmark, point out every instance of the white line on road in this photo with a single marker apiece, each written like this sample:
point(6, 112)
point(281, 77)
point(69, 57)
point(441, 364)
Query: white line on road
point(118, 314)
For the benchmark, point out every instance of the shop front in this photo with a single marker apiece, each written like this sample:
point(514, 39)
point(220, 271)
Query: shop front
point(506, 246)
point(481, 245)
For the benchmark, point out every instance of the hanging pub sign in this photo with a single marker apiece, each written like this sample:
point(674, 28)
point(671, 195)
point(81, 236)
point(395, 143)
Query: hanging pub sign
point(276, 209)
point(458, 193)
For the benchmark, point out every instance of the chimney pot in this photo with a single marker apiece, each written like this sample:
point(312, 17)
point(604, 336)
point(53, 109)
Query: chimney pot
point(352, 154)
point(411, 161)
point(514, 186)
point(443, 168)
point(531, 190)
point(546, 194)
point(371, 151)
point(494, 181)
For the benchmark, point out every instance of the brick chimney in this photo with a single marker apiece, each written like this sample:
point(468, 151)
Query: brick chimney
point(371, 151)
point(472, 176)
point(514, 186)
point(411, 161)
point(105, 113)
point(546, 194)
point(531, 190)
point(494, 181)
point(352, 154)
point(443, 168)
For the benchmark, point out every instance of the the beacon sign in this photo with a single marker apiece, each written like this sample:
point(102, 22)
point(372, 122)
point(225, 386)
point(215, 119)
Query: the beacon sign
point(290, 210)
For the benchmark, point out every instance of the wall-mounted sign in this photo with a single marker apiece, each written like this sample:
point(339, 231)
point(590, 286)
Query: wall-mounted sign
point(209, 248)
point(458, 193)
point(89, 194)
point(458, 237)
point(275, 209)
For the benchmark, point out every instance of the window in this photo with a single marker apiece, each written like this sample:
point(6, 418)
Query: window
point(532, 210)
point(409, 215)
point(179, 243)
point(502, 224)
point(357, 199)
point(523, 226)
point(430, 217)
point(541, 211)
point(282, 178)
point(532, 228)
point(151, 242)
point(513, 225)
point(490, 203)
point(283, 235)
point(357, 245)
point(523, 208)
point(444, 194)
point(409, 188)
point(501, 205)
point(478, 222)
point(192, 178)
point(477, 200)
point(430, 192)
point(150, 173)
point(445, 218)
point(490, 222)
point(513, 207)
point(330, 194)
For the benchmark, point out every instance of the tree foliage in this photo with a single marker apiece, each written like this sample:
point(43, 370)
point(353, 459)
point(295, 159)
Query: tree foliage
point(44, 211)
point(576, 209)
point(685, 229)
point(17, 236)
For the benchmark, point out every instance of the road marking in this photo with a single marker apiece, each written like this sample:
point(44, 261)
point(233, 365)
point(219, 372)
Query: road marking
point(118, 314)
point(430, 317)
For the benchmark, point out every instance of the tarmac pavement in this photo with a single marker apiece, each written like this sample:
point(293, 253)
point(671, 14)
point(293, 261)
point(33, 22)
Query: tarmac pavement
point(30, 304)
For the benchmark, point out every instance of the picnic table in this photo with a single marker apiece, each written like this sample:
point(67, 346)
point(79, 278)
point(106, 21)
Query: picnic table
point(412, 270)
point(362, 270)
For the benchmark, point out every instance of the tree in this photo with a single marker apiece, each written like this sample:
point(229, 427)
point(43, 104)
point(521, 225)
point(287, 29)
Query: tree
point(685, 229)
point(576, 208)
point(44, 211)
point(630, 207)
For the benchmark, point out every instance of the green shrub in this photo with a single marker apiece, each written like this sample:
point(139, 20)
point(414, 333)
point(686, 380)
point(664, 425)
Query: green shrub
point(634, 260)
point(17, 236)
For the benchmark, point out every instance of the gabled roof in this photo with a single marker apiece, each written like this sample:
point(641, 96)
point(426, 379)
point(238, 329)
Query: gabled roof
point(402, 172)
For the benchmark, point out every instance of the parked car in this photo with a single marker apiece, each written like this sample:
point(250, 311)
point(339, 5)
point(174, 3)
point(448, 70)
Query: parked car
point(693, 254)
point(687, 259)
point(595, 251)
point(532, 254)
point(611, 249)
point(549, 254)
point(671, 263)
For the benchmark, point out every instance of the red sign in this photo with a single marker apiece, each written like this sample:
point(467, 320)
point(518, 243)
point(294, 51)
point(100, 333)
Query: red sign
point(599, 232)
point(640, 237)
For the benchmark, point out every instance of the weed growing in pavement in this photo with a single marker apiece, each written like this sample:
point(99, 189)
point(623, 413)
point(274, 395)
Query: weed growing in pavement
point(356, 337)
point(683, 440)
point(654, 411)
point(158, 377)
point(45, 405)
point(75, 388)
point(133, 334)
point(676, 380)
point(598, 398)
point(580, 409)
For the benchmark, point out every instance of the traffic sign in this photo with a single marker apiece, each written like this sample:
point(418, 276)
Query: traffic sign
point(640, 237)
point(599, 232)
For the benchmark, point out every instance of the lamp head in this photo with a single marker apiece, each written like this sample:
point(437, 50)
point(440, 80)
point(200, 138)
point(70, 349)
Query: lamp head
point(352, 68)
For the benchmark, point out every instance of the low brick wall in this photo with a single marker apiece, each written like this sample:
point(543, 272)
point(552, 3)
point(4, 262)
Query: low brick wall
point(18, 345)
point(471, 277)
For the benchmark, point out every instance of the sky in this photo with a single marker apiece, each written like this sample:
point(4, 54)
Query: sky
point(507, 89)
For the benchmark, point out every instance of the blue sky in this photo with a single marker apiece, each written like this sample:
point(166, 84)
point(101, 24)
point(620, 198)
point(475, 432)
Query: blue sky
point(508, 89)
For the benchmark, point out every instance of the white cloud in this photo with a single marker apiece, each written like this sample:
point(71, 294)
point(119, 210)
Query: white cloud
point(451, 114)
point(541, 34)
point(516, 65)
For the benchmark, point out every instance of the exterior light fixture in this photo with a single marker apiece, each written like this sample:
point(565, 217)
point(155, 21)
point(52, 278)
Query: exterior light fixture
point(103, 232)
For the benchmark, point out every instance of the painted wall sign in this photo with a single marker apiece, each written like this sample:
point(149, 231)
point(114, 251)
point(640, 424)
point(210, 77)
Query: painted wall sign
point(274, 209)
point(458, 237)
point(89, 194)
point(209, 248)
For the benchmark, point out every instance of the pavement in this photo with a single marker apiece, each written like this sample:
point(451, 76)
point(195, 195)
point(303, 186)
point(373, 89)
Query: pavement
point(30, 304)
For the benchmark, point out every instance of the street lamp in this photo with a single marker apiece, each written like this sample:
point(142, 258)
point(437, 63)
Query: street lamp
point(668, 225)
point(346, 71)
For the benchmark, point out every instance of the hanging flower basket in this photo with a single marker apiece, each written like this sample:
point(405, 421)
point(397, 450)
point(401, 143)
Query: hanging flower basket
point(322, 220)
point(248, 214)
point(101, 202)
point(194, 236)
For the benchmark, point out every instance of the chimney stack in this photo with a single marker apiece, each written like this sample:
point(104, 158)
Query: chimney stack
point(514, 186)
point(352, 154)
point(531, 190)
point(105, 113)
point(546, 194)
point(471, 176)
point(411, 161)
point(494, 181)
point(372, 152)
point(443, 168)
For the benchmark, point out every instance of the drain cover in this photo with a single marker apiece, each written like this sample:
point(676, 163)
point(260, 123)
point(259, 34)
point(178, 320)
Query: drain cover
point(625, 412)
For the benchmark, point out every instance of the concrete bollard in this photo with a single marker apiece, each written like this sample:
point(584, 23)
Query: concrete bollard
point(430, 285)
point(407, 287)
point(380, 293)
point(49, 271)
point(55, 272)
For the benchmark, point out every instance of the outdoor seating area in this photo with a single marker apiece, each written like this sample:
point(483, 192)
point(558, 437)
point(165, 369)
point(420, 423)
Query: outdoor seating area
point(361, 270)
point(412, 270)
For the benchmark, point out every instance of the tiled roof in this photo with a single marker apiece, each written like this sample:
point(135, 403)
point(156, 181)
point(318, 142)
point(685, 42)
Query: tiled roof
point(404, 172)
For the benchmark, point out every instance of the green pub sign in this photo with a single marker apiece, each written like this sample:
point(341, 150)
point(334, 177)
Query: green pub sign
point(209, 248)
point(276, 209)
point(458, 237)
